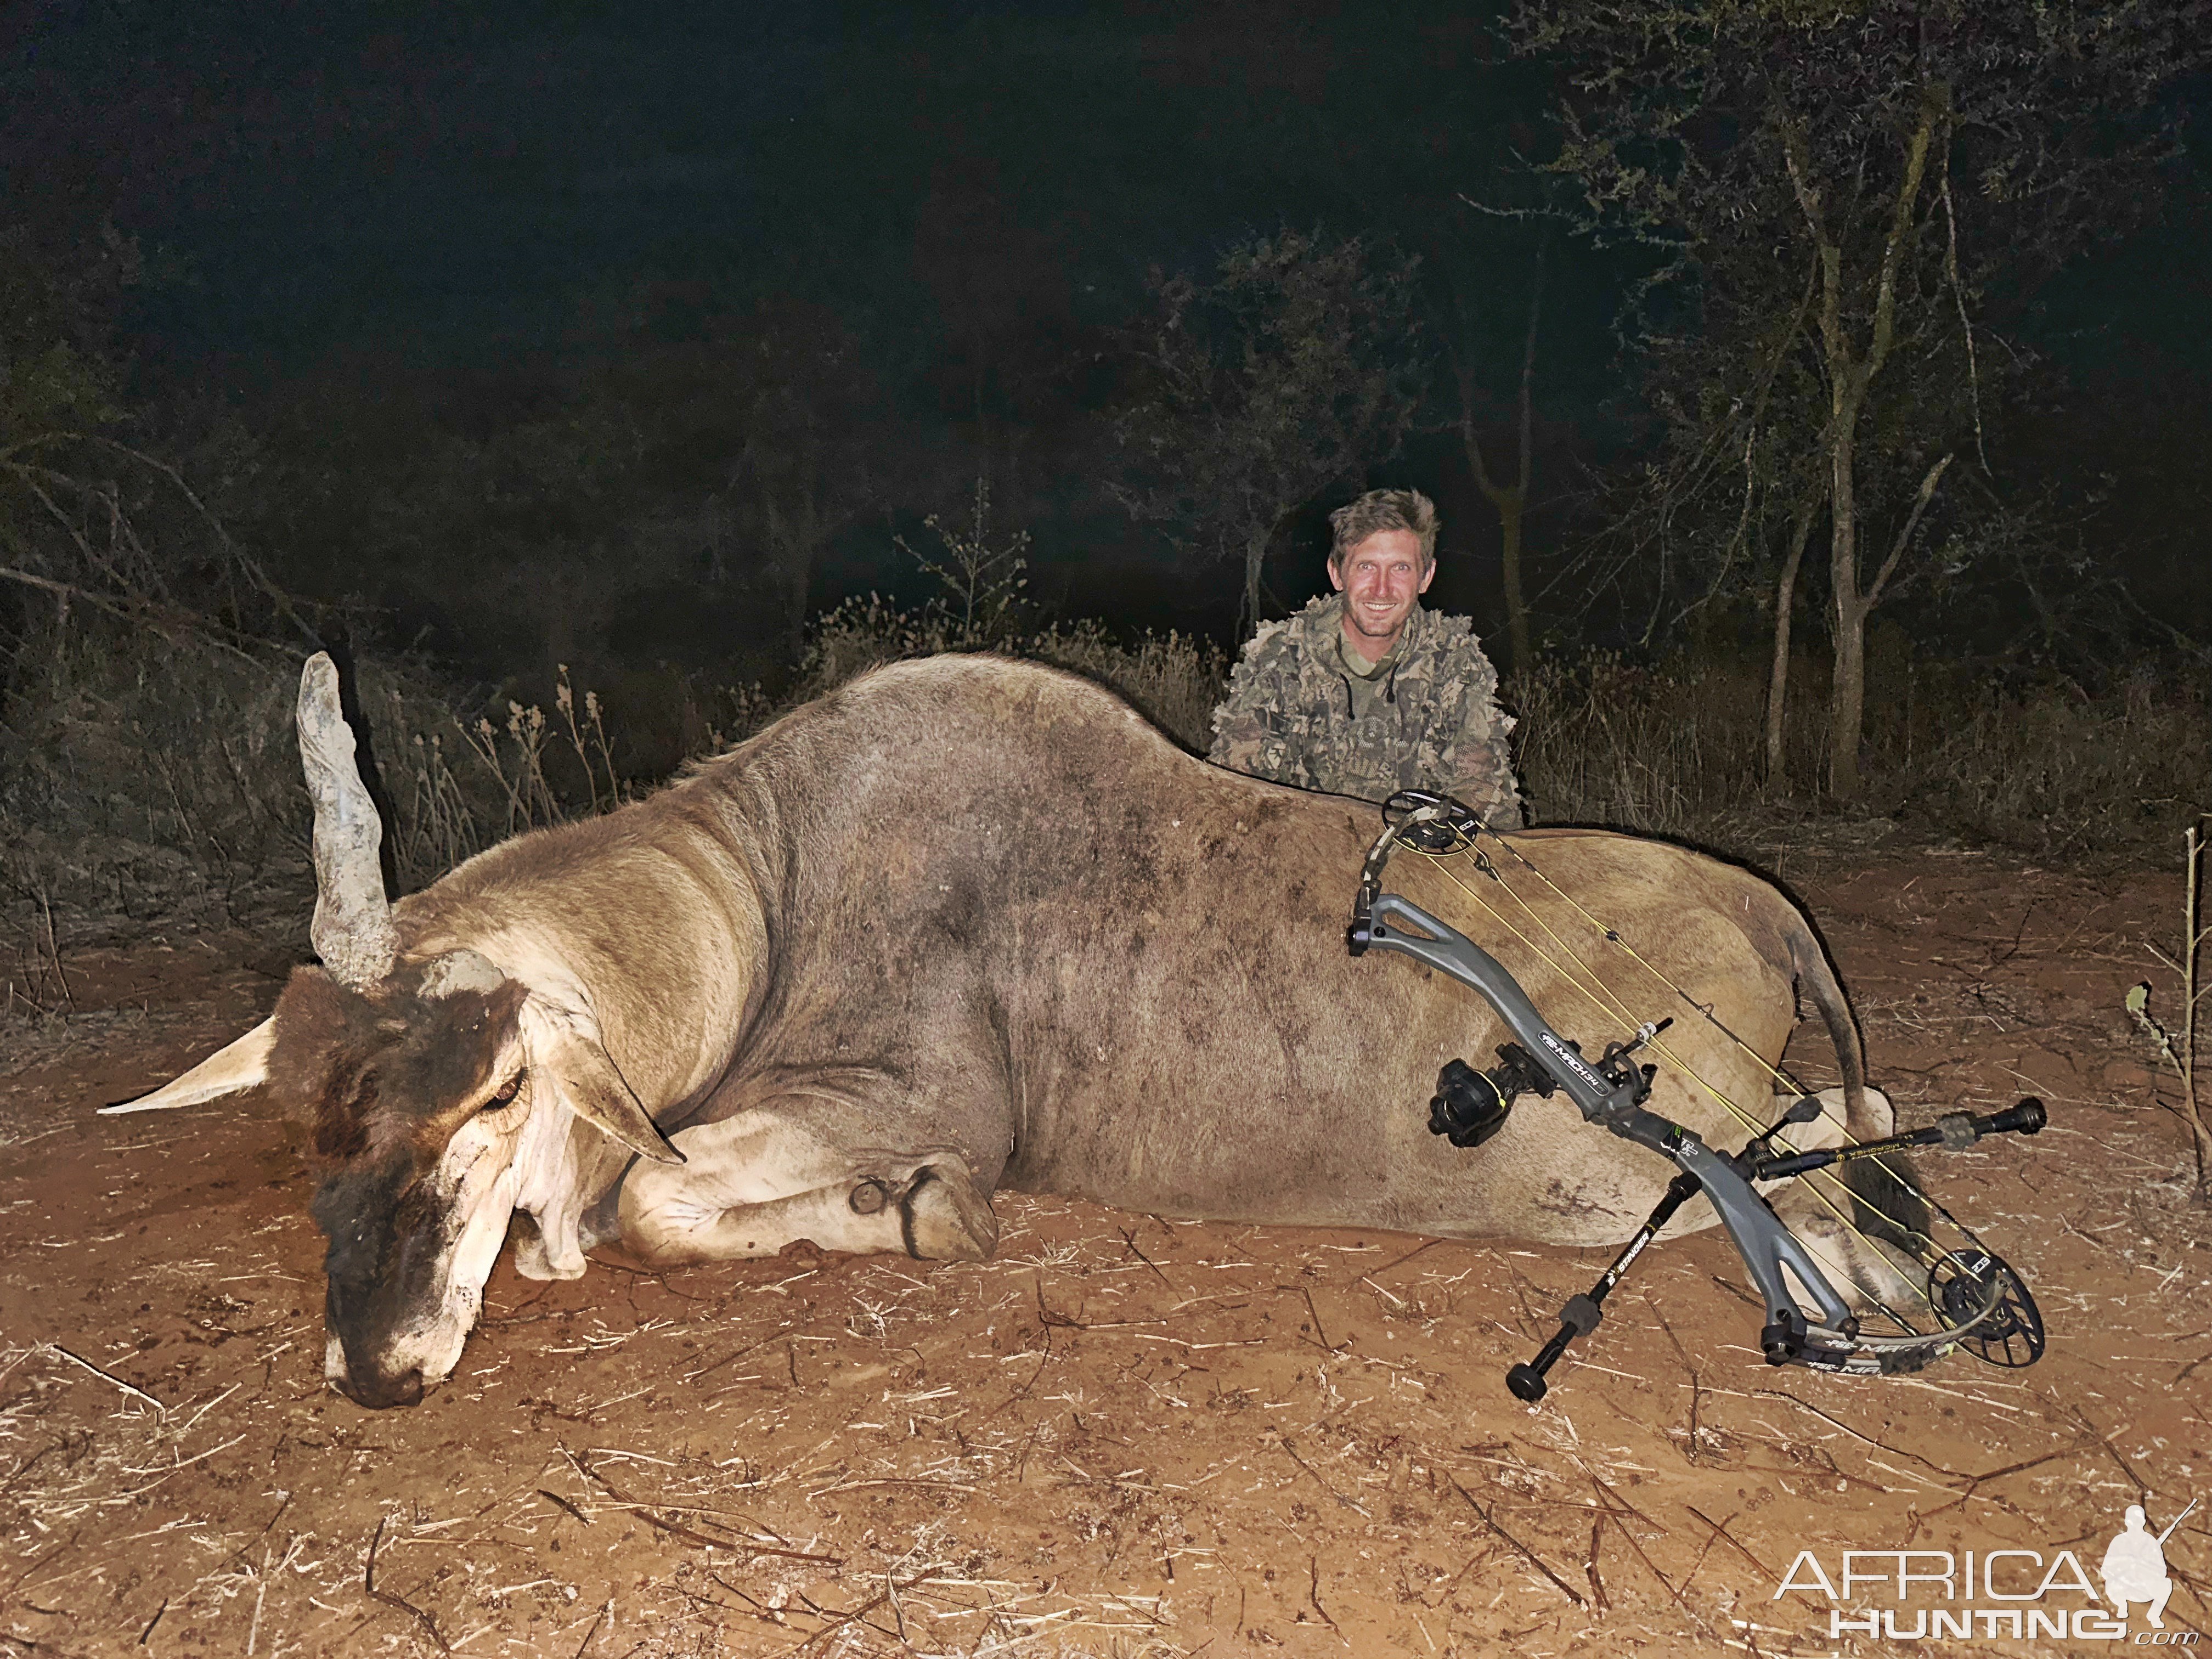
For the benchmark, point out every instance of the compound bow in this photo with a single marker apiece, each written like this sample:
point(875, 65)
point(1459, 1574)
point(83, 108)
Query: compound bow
point(1975, 1301)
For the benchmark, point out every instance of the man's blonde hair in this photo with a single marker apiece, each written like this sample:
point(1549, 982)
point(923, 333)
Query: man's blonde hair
point(1379, 510)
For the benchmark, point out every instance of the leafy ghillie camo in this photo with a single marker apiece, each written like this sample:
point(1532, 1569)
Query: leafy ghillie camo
point(1289, 715)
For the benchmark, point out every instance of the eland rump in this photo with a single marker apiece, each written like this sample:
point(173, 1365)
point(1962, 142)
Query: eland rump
point(963, 924)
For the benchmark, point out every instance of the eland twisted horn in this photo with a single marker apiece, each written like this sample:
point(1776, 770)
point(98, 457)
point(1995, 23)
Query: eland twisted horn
point(352, 930)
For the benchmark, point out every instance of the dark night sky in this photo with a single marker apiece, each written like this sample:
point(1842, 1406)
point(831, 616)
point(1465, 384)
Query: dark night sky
point(333, 173)
point(456, 184)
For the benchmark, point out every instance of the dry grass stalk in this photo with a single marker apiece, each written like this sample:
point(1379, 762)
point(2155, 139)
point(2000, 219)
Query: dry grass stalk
point(589, 739)
point(109, 1376)
point(2182, 1055)
point(2194, 930)
point(368, 1587)
point(1528, 1554)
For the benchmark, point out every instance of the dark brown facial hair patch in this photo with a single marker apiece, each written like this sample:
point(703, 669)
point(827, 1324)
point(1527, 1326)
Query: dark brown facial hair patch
point(368, 1073)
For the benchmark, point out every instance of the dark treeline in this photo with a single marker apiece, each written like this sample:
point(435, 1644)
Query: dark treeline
point(1855, 355)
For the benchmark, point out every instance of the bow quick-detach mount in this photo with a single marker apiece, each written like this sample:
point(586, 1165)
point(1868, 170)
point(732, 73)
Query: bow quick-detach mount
point(1973, 1300)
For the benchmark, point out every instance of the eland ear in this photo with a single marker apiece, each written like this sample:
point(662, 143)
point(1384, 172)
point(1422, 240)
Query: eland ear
point(241, 1066)
point(593, 1088)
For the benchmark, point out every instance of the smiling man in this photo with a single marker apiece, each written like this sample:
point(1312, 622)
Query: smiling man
point(1363, 692)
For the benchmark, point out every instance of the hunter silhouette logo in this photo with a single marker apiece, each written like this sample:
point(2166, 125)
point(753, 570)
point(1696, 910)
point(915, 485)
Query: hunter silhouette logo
point(2135, 1566)
point(1999, 1595)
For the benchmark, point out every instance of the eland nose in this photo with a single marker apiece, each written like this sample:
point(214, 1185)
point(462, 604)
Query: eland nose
point(380, 1392)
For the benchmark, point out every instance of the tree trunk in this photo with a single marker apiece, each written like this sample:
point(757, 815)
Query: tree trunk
point(1509, 516)
point(1853, 605)
point(1850, 375)
point(798, 580)
point(793, 535)
point(1777, 680)
point(1511, 501)
point(1255, 558)
point(1847, 691)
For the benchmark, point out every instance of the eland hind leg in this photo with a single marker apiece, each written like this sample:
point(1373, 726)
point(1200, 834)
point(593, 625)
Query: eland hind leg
point(1860, 1225)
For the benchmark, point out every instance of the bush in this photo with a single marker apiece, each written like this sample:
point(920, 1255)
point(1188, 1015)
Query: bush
point(2044, 769)
point(1673, 750)
point(1174, 679)
point(142, 782)
point(2054, 772)
point(146, 781)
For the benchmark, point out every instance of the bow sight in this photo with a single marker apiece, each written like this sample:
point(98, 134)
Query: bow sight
point(1975, 1300)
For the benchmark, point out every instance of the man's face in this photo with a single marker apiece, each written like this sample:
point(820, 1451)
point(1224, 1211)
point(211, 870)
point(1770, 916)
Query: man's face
point(1380, 578)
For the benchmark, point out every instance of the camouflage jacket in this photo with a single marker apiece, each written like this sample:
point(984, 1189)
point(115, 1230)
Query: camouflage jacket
point(1289, 716)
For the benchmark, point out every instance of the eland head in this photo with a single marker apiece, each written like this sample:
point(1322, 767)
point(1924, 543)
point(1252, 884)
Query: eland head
point(443, 1092)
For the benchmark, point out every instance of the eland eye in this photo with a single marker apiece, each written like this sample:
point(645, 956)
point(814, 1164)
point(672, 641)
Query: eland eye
point(504, 1095)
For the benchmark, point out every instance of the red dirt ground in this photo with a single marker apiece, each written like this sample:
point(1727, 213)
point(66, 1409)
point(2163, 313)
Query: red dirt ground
point(1124, 1436)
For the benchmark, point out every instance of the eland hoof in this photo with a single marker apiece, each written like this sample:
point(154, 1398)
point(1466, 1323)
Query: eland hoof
point(943, 1218)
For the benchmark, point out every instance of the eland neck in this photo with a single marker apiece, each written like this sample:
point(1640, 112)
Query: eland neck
point(645, 919)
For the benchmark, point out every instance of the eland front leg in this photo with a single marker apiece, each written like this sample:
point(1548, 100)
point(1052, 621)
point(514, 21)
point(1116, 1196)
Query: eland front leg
point(752, 1184)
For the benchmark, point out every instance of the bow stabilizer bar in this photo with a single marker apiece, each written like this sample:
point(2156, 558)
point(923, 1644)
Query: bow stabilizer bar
point(1953, 1131)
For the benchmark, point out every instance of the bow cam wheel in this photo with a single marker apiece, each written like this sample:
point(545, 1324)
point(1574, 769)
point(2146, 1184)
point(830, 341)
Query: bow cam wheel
point(2011, 1333)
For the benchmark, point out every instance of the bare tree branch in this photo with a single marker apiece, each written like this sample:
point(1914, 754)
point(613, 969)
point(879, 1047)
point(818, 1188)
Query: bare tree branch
point(1905, 536)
